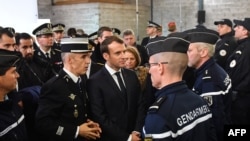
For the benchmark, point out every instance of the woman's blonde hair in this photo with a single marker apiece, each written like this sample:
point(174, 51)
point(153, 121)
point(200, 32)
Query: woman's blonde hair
point(135, 52)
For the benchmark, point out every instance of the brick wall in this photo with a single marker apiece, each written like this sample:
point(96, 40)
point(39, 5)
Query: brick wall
point(91, 16)
point(184, 12)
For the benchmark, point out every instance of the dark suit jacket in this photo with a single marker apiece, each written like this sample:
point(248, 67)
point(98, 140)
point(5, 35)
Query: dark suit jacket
point(94, 67)
point(118, 115)
point(61, 105)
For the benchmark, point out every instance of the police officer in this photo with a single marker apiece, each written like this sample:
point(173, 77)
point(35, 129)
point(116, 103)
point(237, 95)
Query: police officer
point(58, 33)
point(152, 29)
point(212, 82)
point(177, 113)
point(44, 50)
point(227, 43)
point(62, 113)
point(238, 69)
point(12, 127)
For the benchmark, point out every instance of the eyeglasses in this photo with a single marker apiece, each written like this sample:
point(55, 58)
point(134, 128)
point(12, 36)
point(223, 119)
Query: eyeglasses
point(149, 65)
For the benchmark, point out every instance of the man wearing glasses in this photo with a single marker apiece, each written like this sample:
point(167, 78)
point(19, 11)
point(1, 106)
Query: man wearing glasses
point(177, 113)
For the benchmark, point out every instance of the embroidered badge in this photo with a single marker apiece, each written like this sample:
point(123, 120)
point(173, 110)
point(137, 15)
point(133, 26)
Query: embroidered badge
point(209, 100)
point(72, 96)
point(223, 52)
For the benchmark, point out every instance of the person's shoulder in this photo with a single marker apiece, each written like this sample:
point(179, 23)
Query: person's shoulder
point(99, 74)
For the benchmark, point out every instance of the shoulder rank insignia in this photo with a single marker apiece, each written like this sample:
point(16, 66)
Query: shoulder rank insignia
point(157, 104)
point(66, 77)
point(206, 75)
point(72, 96)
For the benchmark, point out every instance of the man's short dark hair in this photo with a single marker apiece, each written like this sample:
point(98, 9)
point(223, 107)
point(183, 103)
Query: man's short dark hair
point(104, 46)
point(128, 32)
point(20, 36)
point(102, 29)
point(6, 32)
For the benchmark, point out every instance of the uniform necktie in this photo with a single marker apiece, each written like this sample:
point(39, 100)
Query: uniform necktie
point(47, 55)
point(79, 84)
point(121, 84)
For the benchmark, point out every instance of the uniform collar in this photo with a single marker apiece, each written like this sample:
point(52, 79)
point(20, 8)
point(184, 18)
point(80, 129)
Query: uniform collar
point(204, 66)
point(170, 89)
point(71, 75)
point(110, 70)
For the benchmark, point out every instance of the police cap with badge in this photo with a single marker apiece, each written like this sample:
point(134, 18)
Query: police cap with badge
point(58, 27)
point(75, 45)
point(177, 42)
point(43, 29)
point(8, 59)
point(245, 23)
point(153, 24)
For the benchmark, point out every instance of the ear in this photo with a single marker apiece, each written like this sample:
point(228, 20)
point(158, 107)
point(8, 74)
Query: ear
point(204, 52)
point(105, 56)
point(161, 68)
point(99, 39)
point(69, 59)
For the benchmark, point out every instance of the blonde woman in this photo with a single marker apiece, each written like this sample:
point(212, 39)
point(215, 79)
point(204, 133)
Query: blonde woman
point(133, 60)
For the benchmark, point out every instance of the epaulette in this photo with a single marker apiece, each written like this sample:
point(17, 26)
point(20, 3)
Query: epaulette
point(100, 64)
point(66, 77)
point(58, 50)
point(156, 105)
point(226, 44)
point(206, 75)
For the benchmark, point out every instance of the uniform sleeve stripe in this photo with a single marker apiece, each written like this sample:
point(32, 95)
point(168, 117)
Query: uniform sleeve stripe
point(12, 126)
point(181, 131)
point(218, 92)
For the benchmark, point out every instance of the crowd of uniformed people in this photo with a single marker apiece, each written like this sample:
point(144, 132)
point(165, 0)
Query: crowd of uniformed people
point(105, 86)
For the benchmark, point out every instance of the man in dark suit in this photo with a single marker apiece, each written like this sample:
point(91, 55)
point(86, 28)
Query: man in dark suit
point(44, 50)
point(115, 99)
point(152, 33)
point(63, 113)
